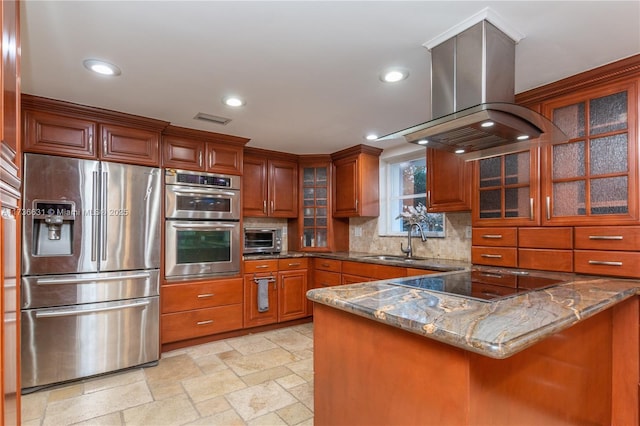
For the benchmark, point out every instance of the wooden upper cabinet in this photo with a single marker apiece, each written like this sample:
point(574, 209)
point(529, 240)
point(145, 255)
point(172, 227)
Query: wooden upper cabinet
point(47, 133)
point(592, 179)
point(130, 145)
point(448, 182)
point(270, 184)
point(355, 187)
point(506, 190)
point(202, 151)
point(63, 128)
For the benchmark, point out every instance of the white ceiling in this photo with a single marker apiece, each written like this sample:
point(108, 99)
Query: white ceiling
point(309, 70)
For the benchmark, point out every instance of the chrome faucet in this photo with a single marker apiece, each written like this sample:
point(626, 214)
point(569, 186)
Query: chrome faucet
point(409, 250)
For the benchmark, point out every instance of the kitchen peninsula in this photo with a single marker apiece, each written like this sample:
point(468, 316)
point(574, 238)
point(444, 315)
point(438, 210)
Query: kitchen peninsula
point(387, 354)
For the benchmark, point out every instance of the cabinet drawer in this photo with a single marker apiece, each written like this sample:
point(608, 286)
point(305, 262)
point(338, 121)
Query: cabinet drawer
point(183, 297)
point(326, 279)
point(614, 263)
point(268, 265)
point(494, 278)
point(354, 279)
point(546, 260)
point(292, 263)
point(548, 238)
point(502, 237)
point(494, 256)
point(415, 272)
point(608, 237)
point(327, 264)
point(200, 322)
point(371, 270)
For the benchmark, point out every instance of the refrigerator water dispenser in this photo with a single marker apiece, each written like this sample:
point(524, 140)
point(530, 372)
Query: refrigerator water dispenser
point(53, 228)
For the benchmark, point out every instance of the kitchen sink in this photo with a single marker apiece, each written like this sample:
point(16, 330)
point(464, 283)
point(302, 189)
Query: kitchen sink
point(392, 258)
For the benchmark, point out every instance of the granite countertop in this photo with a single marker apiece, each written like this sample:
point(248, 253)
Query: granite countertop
point(497, 329)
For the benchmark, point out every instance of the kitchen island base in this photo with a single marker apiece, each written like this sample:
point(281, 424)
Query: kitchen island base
point(369, 373)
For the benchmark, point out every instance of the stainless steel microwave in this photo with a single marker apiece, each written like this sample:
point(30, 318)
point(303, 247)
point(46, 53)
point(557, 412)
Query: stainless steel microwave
point(262, 240)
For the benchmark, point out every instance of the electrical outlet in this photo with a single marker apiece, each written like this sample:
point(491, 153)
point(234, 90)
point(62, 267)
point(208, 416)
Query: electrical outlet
point(467, 232)
point(357, 231)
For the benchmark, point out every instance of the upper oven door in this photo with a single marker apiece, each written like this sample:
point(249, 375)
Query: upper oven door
point(197, 202)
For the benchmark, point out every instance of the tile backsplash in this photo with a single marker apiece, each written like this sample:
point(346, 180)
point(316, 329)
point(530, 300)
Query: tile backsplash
point(454, 246)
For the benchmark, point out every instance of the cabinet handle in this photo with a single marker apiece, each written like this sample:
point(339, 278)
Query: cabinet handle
point(492, 256)
point(200, 159)
point(326, 265)
point(90, 143)
point(205, 295)
point(605, 263)
point(492, 236)
point(429, 198)
point(210, 159)
point(204, 322)
point(104, 145)
point(294, 264)
point(262, 266)
point(548, 208)
point(272, 207)
point(531, 208)
point(605, 237)
point(356, 204)
point(264, 206)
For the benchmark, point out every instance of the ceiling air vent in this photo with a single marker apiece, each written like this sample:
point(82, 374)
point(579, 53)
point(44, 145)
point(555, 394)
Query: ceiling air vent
point(212, 118)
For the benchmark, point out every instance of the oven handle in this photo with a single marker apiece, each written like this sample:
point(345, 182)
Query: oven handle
point(203, 191)
point(89, 311)
point(203, 225)
point(47, 281)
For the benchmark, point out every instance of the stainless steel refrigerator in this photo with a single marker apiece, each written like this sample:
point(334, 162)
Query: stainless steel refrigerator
point(90, 268)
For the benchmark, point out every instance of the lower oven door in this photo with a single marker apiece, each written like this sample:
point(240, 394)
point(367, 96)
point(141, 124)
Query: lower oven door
point(200, 249)
point(70, 342)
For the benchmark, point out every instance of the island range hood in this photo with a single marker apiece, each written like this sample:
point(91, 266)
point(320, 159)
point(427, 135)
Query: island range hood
point(472, 99)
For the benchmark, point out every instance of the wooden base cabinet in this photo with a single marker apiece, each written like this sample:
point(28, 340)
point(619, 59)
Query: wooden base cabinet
point(287, 285)
point(197, 309)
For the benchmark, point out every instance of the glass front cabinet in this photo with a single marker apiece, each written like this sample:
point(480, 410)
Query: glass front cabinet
point(592, 178)
point(315, 229)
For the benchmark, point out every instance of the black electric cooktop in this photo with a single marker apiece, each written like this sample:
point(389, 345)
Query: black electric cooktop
point(483, 285)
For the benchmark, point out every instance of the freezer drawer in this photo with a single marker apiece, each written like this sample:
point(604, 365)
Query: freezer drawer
point(59, 290)
point(60, 344)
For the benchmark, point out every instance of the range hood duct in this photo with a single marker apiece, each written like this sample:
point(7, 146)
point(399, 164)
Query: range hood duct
point(473, 85)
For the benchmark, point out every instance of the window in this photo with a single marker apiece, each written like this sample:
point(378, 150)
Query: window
point(403, 187)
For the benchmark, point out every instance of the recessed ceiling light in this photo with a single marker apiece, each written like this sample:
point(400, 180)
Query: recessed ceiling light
point(459, 151)
point(371, 137)
point(487, 124)
point(233, 101)
point(394, 75)
point(101, 67)
point(423, 142)
point(523, 137)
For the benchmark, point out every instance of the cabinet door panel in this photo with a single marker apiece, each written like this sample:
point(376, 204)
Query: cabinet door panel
point(254, 187)
point(283, 189)
point(608, 237)
point(292, 301)
point(54, 134)
point(181, 297)
point(448, 182)
point(200, 322)
point(253, 317)
point(224, 159)
point(495, 256)
point(182, 154)
point(546, 260)
point(614, 263)
point(128, 145)
point(346, 184)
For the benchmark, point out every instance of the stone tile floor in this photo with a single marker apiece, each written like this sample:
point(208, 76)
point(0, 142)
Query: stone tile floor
point(259, 379)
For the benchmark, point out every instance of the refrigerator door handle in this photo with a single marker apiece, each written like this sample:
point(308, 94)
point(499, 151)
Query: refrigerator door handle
point(65, 280)
point(103, 227)
point(67, 312)
point(94, 219)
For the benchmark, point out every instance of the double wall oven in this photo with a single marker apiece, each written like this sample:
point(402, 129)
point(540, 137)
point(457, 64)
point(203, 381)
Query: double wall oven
point(202, 224)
